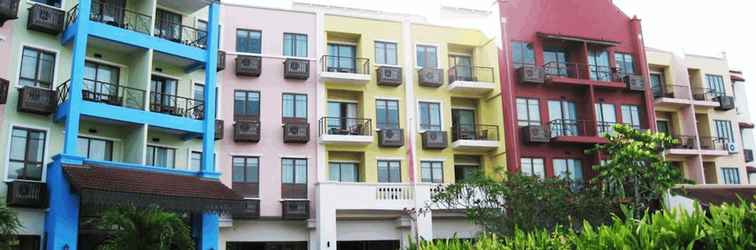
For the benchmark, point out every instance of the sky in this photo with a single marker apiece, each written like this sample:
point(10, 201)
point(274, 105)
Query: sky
point(703, 27)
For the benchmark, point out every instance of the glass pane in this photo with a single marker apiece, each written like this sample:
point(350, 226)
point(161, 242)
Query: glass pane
point(33, 171)
point(196, 163)
point(18, 144)
point(383, 171)
point(301, 106)
point(380, 53)
point(301, 45)
point(150, 156)
point(435, 115)
point(395, 171)
point(425, 172)
point(288, 45)
point(98, 150)
point(15, 170)
point(36, 147)
point(348, 173)
point(199, 92)
point(288, 105)
point(287, 171)
point(333, 172)
point(301, 171)
point(237, 170)
point(438, 172)
point(252, 170)
point(29, 63)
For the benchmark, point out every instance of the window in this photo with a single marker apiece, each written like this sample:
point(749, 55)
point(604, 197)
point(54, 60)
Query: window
point(432, 171)
point(387, 113)
point(385, 53)
point(657, 84)
point(625, 63)
point(522, 54)
point(246, 104)
point(598, 64)
point(606, 117)
point(563, 118)
point(168, 25)
point(532, 167)
point(95, 149)
point(295, 45)
point(248, 41)
point(430, 116)
point(199, 95)
point(528, 112)
point(631, 115)
point(343, 172)
point(341, 58)
point(37, 68)
point(54, 3)
point(161, 156)
point(294, 106)
point(202, 27)
point(556, 61)
point(716, 84)
point(724, 130)
point(731, 175)
point(569, 168)
point(342, 118)
point(662, 126)
point(427, 56)
point(245, 169)
point(294, 171)
point(27, 152)
point(195, 161)
point(389, 171)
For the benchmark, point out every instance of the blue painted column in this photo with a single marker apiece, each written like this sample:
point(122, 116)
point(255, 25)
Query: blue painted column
point(77, 77)
point(210, 231)
point(62, 219)
point(208, 138)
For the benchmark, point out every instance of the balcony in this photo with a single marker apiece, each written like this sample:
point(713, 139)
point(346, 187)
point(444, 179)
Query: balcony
point(704, 97)
point(391, 137)
point(296, 69)
point(685, 145)
point(389, 76)
point(8, 10)
point(106, 93)
point(247, 131)
point(4, 86)
point(577, 131)
point(475, 137)
point(295, 209)
point(471, 80)
point(345, 69)
point(27, 194)
point(115, 16)
point(345, 131)
point(37, 100)
point(673, 96)
point(584, 74)
point(713, 146)
point(177, 106)
point(45, 19)
point(430, 77)
point(180, 33)
point(369, 196)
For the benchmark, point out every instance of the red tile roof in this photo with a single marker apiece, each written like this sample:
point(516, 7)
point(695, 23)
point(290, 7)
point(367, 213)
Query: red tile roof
point(108, 186)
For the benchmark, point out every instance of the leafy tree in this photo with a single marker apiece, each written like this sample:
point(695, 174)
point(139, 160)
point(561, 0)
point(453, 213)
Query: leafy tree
point(9, 225)
point(524, 203)
point(635, 172)
point(133, 228)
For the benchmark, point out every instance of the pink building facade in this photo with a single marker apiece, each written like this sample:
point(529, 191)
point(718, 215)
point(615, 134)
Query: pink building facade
point(268, 107)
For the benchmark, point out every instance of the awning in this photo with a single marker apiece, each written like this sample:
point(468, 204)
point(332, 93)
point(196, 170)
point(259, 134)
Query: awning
point(750, 169)
point(716, 195)
point(745, 125)
point(577, 39)
point(108, 187)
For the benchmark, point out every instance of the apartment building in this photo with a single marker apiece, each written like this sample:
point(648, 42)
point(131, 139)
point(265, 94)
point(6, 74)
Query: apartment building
point(109, 104)
point(697, 103)
point(269, 100)
point(572, 69)
point(745, 123)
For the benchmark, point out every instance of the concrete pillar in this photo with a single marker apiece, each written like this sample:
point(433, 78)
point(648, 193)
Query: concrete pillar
point(81, 26)
point(326, 229)
point(404, 226)
point(210, 231)
point(62, 218)
point(424, 221)
point(211, 63)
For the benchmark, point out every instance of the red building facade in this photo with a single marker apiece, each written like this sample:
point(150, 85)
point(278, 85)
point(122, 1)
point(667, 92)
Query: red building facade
point(571, 70)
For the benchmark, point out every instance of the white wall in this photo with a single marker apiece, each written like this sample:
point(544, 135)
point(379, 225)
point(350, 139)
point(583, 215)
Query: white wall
point(460, 228)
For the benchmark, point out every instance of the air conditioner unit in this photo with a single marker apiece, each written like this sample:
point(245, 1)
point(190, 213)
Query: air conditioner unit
point(27, 194)
point(531, 74)
point(430, 77)
point(389, 76)
point(725, 102)
point(248, 66)
point(247, 131)
point(8, 10)
point(635, 83)
point(732, 147)
point(37, 100)
point(296, 69)
point(295, 209)
point(296, 132)
point(435, 139)
point(391, 137)
point(45, 19)
point(535, 134)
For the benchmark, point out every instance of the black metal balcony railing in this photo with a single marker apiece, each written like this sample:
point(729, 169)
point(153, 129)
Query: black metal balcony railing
point(678, 91)
point(177, 106)
point(114, 15)
point(583, 71)
point(704, 94)
point(567, 127)
point(345, 126)
point(604, 127)
point(684, 142)
point(479, 132)
point(343, 64)
point(471, 73)
point(112, 94)
point(181, 34)
point(713, 143)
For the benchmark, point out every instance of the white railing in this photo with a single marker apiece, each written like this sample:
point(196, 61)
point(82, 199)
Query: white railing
point(394, 192)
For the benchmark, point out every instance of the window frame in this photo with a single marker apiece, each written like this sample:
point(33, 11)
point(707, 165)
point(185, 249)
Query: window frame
point(294, 105)
point(569, 173)
point(716, 84)
point(247, 98)
point(385, 104)
point(109, 143)
point(604, 125)
point(43, 175)
point(420, 114)
point(730, 175)
point(623, 63)
point(246, 168)
point(388, 170)
point(528, 103)
point(632, 109)
point(36, 80)
point(432, 163)
point(249, 43)
point(294, 40)
point(341, 164)
point(523, 51)
point(155, 147)
point(385, 55)
point(728, 130)
point(294, 171)
point(426, 46)
point(531, 161)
